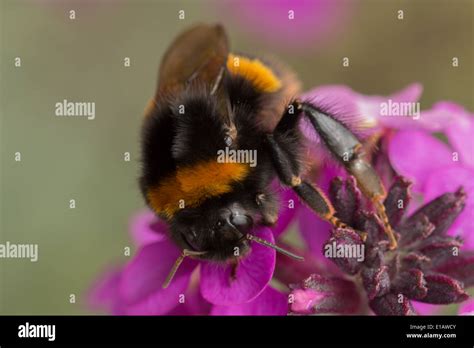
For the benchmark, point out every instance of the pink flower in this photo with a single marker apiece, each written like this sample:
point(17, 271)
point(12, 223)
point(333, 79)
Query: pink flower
point(363, 115)
point(297, 24)
point(467, 308)
point(269, 302)
point(435, 167)
point(199, 287)
point(421, 269)
point(407, 142)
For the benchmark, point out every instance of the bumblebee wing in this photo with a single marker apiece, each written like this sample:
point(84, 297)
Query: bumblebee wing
point(198, 53)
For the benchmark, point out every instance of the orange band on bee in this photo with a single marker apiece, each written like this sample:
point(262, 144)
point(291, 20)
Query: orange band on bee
point(253, 70)
point(190, 186)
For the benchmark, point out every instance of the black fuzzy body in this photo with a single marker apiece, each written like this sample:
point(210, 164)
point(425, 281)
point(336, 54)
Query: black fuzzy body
point(171, 139)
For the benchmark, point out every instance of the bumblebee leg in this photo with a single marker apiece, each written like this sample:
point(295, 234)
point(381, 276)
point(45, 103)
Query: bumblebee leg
point(233, 271)
point(312, 196)
point(345, 146)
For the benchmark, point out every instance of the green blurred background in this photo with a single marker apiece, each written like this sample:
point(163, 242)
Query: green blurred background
point(67, 158)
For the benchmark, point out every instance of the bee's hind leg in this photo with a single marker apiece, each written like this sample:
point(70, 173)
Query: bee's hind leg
point(345, 146)
point(288, 170)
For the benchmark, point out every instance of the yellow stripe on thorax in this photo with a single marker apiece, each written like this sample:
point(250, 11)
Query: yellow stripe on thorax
point(193, 184)
point(253, 70)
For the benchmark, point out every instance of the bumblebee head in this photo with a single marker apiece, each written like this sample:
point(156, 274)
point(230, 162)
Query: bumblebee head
point(218, 227)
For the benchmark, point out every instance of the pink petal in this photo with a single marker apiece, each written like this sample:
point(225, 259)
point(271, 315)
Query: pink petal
point(289, 204)
point(142, 279)
point(314, 230)
point(314, 21)
point(467, 308)
point(304, 300)
point(410, 93)
point(146, 228)
point(370, 107)
point(318, 294)
point(425, 308)
point(253, 274)
point(193, 303)
point(460, 132)
point(449, 180)
point(269, 302)
point(415, 154)
point(104, 293)
point(430, 120)
point(360, 112)
point(340, 96)
point(340, 101)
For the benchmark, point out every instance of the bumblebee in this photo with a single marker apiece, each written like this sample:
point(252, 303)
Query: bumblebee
point(209, 99)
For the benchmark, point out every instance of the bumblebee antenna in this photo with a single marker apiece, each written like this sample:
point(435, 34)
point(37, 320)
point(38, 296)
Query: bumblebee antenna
point(275, 247)
point(178, 262)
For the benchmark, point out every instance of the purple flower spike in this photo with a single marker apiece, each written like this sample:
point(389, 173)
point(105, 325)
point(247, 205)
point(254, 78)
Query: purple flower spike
point(397, 200)
point(413, 284)
point(346, 198)
point(442, 211)
point(344, 239)
point(460, 268)
point(392, 304)
point(376, 281)
point(443, 289)
point(420, 269)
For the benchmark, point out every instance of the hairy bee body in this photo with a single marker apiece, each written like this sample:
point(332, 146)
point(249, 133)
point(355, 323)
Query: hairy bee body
point(211, 103)
point(182, 138)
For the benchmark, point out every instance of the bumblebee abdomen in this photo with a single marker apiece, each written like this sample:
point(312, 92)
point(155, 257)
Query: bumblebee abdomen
point(191, 185)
